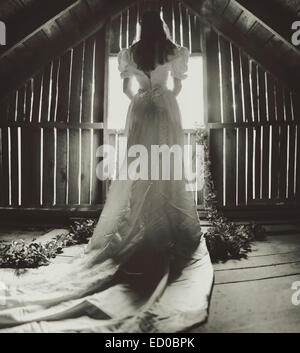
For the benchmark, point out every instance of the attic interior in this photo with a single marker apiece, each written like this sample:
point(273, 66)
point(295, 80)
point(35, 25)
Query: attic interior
point(54, 99)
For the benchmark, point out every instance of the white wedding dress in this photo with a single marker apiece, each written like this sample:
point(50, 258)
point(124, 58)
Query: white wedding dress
point(146, 268)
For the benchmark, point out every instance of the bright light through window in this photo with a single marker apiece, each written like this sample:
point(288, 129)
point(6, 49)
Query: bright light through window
point(190, 99)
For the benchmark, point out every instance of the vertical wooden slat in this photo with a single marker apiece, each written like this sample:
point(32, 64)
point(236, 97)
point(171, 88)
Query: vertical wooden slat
point(250, 169)
point(76, 84)
point(214, 111)
point(295, 97)
point(238, 98)
point(271, 98)
point(265, 161)
point(195, 34)
point(115, 35)
point(45, 110)
point(263, 145)
point(213, 72)
point(100, 67)
point(142, 7)
point(75, 116)
point(287, 104)
point(61, 167)
point(167, 15)
point(291, 162)
point(231, 155)
point(298, 164)
point(55, 89)
point(216, 157)
point(132, 23)
point(14, 155)
point(257, 147)
point(4, 172)
point(12, 137)
point(275, 168)
point(48, 140)
point(1, 163)
point(87, 88)
point(37, 93)
point(20, 116)
point(226, 80)
point(282, 140)
point(124, 29)
point(85, 166)
point(97, 196)
point(246, 88)
point(26, 165)
point(262, 95)
point(185, 27)
point(74, 167)
point(48, 167)
point(36, 167)
point(279, 101)
point(26, 146)
point(4, 177)
point(241, 166)
point(283, 161)
point(99, 110)
point(273, 138)
point(63, 98)
point(87, 101)
point(295, 100)
point(254, 93)
point(28, 103)
point(177, 21)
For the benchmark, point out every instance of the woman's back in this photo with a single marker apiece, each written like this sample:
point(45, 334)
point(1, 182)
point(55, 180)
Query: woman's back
point(176, 65)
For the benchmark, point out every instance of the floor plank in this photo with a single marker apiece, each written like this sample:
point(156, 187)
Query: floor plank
point(257, 273)
point(277, 244)
point(249, 295)
point(258, 306)
point(259, 261)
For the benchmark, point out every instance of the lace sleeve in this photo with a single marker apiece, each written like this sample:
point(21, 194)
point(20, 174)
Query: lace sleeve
point(180, 64)
point(124, 63)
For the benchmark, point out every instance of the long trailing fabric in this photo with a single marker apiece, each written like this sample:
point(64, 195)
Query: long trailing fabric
point(146, 267)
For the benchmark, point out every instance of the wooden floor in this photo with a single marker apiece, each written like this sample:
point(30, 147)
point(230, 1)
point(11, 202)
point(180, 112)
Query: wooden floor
point(249, 295)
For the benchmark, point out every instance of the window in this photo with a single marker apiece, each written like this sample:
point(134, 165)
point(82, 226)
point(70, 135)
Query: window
point(190, 99)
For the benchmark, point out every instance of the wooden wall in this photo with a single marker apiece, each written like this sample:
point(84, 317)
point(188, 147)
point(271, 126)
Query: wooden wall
point(254, 130)
point(50, 128)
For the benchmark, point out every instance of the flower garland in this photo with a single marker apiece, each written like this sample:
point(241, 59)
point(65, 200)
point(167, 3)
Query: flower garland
point(225, 239)
point(19, 254)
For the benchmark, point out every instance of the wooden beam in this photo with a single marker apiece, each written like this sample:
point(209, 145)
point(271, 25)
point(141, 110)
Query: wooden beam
point(212, 17)
point(277, 15)
point(285, 39)
point(37, 30)
point(28, 17)
point(106, 9)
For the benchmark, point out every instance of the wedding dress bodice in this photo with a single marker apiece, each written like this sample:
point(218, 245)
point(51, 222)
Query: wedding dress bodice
point(176, 65)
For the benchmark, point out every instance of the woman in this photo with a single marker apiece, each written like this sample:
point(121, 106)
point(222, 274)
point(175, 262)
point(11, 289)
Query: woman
point(146, 268)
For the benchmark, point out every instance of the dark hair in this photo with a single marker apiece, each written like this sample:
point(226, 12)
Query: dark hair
point(154, 45)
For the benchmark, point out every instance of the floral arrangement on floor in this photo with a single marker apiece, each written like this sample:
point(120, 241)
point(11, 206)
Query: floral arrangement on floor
point(225, 239)
point(20, 254)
